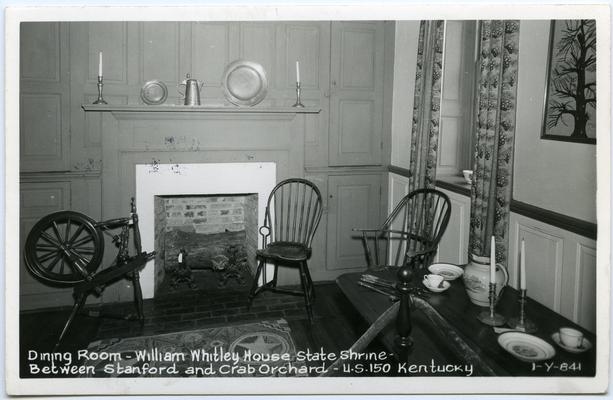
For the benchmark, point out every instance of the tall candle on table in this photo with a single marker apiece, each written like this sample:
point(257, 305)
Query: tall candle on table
point(100, 64)
point(493, 260)
point(522, 266)
point(297, 72)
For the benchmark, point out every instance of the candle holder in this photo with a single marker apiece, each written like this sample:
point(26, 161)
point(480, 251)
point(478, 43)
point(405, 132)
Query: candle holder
point(522, 323)
point(491, 317)
point(298, 103)
point(100, 100)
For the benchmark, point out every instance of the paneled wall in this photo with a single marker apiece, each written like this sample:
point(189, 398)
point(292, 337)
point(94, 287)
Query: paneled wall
point(136, 52)
point(345, 70)
point(560, 268)
point(45, 97)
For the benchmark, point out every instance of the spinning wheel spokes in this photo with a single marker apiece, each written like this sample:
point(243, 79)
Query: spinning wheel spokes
point(64, 247)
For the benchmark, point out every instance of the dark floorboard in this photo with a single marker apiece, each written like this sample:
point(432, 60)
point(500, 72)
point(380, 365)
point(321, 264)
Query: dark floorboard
point(336, 324)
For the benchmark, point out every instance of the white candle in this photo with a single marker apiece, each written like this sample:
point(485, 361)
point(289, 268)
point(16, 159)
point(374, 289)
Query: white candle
point(100, 64)
point(522, 266)
point(493, 260)
point(297, 71)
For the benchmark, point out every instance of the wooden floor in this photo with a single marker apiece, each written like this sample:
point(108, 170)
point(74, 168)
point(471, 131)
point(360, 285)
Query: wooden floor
point(336, 324)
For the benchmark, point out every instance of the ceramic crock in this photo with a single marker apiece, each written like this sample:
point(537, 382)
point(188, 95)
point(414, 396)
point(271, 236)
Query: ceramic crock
point(477, 279)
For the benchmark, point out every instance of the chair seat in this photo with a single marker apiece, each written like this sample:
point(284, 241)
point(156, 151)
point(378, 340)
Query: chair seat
point(285, 251)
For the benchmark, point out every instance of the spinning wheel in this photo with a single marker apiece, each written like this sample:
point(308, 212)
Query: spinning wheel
point(67, 247)
point(64, 247)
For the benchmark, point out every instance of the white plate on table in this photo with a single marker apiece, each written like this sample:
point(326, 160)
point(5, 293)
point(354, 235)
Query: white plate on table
point(525, 347)
point(448, 271)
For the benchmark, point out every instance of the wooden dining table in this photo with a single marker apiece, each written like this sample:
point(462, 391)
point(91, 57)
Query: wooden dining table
point(431, 347)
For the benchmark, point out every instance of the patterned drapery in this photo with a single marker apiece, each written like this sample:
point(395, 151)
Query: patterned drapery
point(426, 105)
point(494, 137)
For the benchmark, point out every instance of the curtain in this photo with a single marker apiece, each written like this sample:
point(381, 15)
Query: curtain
point(426, 105)
point(494, 137)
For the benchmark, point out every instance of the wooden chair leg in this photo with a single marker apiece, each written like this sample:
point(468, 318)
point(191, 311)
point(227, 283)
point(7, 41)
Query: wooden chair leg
point(304, 280)
point(78, 304)
point(138, 296)
point(273, 283)
point(311, 286)
point(254, 286)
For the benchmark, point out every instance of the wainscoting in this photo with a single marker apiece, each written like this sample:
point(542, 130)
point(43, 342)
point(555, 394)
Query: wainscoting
point(560, 268)
point(561, 265)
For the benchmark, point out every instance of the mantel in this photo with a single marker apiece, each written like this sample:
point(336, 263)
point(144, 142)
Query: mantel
point(198, 109)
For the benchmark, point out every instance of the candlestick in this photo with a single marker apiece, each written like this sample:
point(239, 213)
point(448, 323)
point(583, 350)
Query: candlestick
point(297, 71)
point(100, 100)
point(522, 323)
point(522, 266)
point(491, 317)
point(298, 103)
point(100, 64)
point(493, 260)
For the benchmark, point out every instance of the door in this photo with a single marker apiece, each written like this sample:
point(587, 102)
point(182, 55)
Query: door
point(356, 93)
point(353, 202)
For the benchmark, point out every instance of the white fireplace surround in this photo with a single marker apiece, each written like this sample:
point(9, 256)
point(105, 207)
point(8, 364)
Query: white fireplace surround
point(195, 179)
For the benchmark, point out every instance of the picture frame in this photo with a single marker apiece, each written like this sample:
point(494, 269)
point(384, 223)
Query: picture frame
point(571, 63)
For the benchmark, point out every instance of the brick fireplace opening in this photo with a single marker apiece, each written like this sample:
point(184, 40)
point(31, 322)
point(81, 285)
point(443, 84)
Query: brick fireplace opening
point(173, 200)
point(212, 235)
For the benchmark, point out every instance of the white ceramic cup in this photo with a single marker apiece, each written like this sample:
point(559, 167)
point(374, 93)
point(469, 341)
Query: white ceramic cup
point(434, 280)
point(571, 337)
point(468, 175)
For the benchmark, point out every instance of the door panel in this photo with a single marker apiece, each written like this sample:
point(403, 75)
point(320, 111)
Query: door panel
point(353, 202)
point(356, 93)
point(44, 97)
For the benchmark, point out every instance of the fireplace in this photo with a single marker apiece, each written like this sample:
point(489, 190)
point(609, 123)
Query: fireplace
point(197, 234)
point(166, 145)
point(190, 204)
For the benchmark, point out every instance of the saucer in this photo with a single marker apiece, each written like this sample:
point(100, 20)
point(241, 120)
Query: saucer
point(584, 347)
point(446, 285)
point(447, 271)
point(526, 347)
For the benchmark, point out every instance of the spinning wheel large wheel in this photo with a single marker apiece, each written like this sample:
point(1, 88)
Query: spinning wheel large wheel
point(64, 247)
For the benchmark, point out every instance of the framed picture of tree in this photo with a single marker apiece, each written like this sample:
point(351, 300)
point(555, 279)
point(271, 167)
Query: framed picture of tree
point(570, 95)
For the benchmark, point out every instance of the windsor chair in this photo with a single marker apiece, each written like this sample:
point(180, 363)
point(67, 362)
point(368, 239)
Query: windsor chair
point(293, 212)
point(413, 229)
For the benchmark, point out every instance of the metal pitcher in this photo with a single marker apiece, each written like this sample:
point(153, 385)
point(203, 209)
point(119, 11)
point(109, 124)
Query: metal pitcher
point(192, 91)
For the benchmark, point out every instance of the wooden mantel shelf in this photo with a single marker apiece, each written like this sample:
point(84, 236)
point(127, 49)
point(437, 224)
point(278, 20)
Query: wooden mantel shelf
point(198, 109)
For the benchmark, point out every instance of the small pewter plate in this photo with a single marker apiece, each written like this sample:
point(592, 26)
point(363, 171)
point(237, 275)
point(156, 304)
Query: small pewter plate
point(244, 83)
point(154, 92)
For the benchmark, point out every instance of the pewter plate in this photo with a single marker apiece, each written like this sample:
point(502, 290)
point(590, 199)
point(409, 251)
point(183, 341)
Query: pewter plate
point(154, 92)
point(244, 83)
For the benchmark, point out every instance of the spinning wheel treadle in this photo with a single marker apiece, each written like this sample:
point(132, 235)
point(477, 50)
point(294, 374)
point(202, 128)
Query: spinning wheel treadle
point(64, 247)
